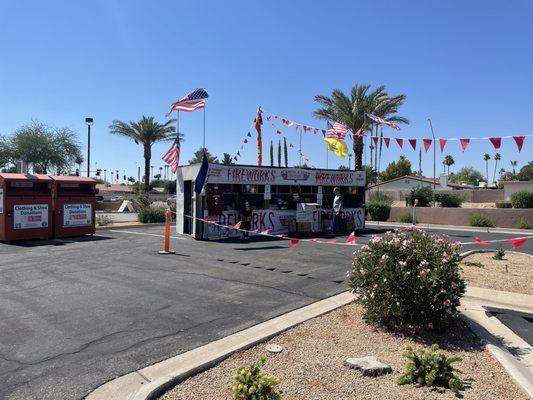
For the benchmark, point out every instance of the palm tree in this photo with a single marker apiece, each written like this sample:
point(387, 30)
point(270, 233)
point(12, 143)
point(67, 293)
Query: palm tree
point(227, 159)
point(448, 161)
point(497, 157)
point(486, 158)
point(146, 132)
point(514, 164)
point(352, 111)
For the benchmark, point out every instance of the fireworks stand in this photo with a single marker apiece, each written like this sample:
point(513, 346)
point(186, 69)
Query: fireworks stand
point(280, 200)
point(25, 207)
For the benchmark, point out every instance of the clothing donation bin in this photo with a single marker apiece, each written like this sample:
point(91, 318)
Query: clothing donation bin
point(25, 207)
point(74, 205)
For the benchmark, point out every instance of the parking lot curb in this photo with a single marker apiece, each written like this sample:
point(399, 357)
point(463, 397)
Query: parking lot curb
point(150, 382)
point(128, 226)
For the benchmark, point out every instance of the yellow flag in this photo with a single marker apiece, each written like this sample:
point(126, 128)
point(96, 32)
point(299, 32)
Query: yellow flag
point(337, 146)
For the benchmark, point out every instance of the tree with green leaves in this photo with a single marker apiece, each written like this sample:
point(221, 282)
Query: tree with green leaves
point(448, 162)
point(371, 175)
point(343, 168)
point(497, 157)
point(514, 164)
point(227, 159)
point(285, 152)
point(526, 172)
point(145, 132)
point(397, 169)
point(271, 153)
point(45, 147)
point(352, 110)
point(467, 175)
point(486, 158)
point(6, 153)
point(198, 155)
point(279, 153)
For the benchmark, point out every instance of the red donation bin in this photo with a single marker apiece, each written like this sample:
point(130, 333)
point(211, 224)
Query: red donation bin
point(74, 206)
point(25, 207)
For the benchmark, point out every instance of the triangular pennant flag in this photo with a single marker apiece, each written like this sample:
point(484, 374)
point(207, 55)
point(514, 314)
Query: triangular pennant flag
point(291, 145)
point(351, 238)
point(464, 143)
point(400, 142)
point(249, 134)
point(278, 132)
point(245, 140)
point(265, 232)
point(387, 141)
point(237, 225)
point(315, 131)
point(496, 142)
point(239, 153)
point(323, 132)
point(307, 128)
point(375, 140)
point(427, 143)
point(477, 240)
point(519, 142)
point(294, 243)
point(268, 117)
point(412, 142)
point(518, 242)
point(442, 143)
point(235, 158)
point(314, 240)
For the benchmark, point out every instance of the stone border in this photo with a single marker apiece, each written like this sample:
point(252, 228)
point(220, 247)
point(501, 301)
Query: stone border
point(152, 381)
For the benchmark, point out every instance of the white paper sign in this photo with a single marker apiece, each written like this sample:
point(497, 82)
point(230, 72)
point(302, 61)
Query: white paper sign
point(1, 200)
point(30, 216)
point(77, 215)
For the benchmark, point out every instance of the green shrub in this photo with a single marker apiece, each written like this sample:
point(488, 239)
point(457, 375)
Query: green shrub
point(408, 277)
point(449, 200)
point(151, 215)
point(430, 368)
point(504, 204)
point(379, 196)
point(480, 220)
point(523, 224)
point(499, 254)
point(522, 199)
point(252, 384)
point(424, 194)
point(406, 217)
point(378, 210)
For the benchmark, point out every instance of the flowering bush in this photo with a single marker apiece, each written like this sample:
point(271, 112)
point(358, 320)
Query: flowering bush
point(408, 277)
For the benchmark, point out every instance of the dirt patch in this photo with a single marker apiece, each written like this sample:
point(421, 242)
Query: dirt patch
point(482, 270)
point(311, 364)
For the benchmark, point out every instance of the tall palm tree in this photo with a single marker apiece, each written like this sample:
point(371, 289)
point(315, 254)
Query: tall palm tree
point(486, 158)
point(146, 132)
point(497, 157)
point(351, 110)
point(448, 161)
point(514, 164)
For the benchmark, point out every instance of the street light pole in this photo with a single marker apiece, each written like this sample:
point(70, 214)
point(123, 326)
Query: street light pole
point(434, 158)
point(89, 122)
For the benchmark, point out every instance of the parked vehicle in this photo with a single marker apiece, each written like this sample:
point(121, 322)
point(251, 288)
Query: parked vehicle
point(99, 198)
point(171, 200)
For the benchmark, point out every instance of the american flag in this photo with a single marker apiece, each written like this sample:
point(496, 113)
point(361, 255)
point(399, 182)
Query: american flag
point(381, 121)
point(337, 130)
point(193, 101)
point(172, 156)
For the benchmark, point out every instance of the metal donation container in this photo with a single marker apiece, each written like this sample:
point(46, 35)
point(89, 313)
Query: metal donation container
point(74, 206)
point(25, 207)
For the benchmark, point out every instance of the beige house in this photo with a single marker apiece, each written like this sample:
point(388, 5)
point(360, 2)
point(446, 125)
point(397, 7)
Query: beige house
point(510, 187)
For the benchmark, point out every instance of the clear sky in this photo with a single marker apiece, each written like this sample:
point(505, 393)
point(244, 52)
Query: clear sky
point(465, 64)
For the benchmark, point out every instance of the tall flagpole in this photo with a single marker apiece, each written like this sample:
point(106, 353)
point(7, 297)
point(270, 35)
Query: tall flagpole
point(203, 145)
point(301, 155)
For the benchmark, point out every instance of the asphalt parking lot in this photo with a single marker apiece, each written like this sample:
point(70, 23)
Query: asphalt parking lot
point(76, 313)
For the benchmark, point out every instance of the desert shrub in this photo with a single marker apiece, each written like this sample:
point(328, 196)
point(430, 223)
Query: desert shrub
point(252, 384)
point(406, 217)
point(430, 368)
point(504, 204)
point(480, 220)
point(379, 196)
point(522, 199)
point(523, 224)
point(151, 215)
point(103, 220)
point(378, 210)
point(450, 200)
point(499, 254)
point(408, 277)
point(424, 194)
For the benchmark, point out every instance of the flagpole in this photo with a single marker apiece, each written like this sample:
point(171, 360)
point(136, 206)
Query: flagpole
point(301, 146)
point(327, 153)
point(203, 145)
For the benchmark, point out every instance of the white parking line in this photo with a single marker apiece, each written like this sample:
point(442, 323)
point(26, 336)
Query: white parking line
point(144, 234)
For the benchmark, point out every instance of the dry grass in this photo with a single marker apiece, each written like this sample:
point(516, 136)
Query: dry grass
point(482, 270)
point(311, 364)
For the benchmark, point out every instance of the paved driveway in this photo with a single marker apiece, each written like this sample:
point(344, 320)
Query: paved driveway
point(77, 313)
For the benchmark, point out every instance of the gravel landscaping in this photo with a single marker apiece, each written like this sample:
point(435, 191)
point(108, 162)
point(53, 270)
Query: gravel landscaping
point(482, 270)
point(311, 365)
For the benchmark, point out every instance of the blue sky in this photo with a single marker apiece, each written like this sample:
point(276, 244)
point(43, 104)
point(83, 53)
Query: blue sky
point(465, 64)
